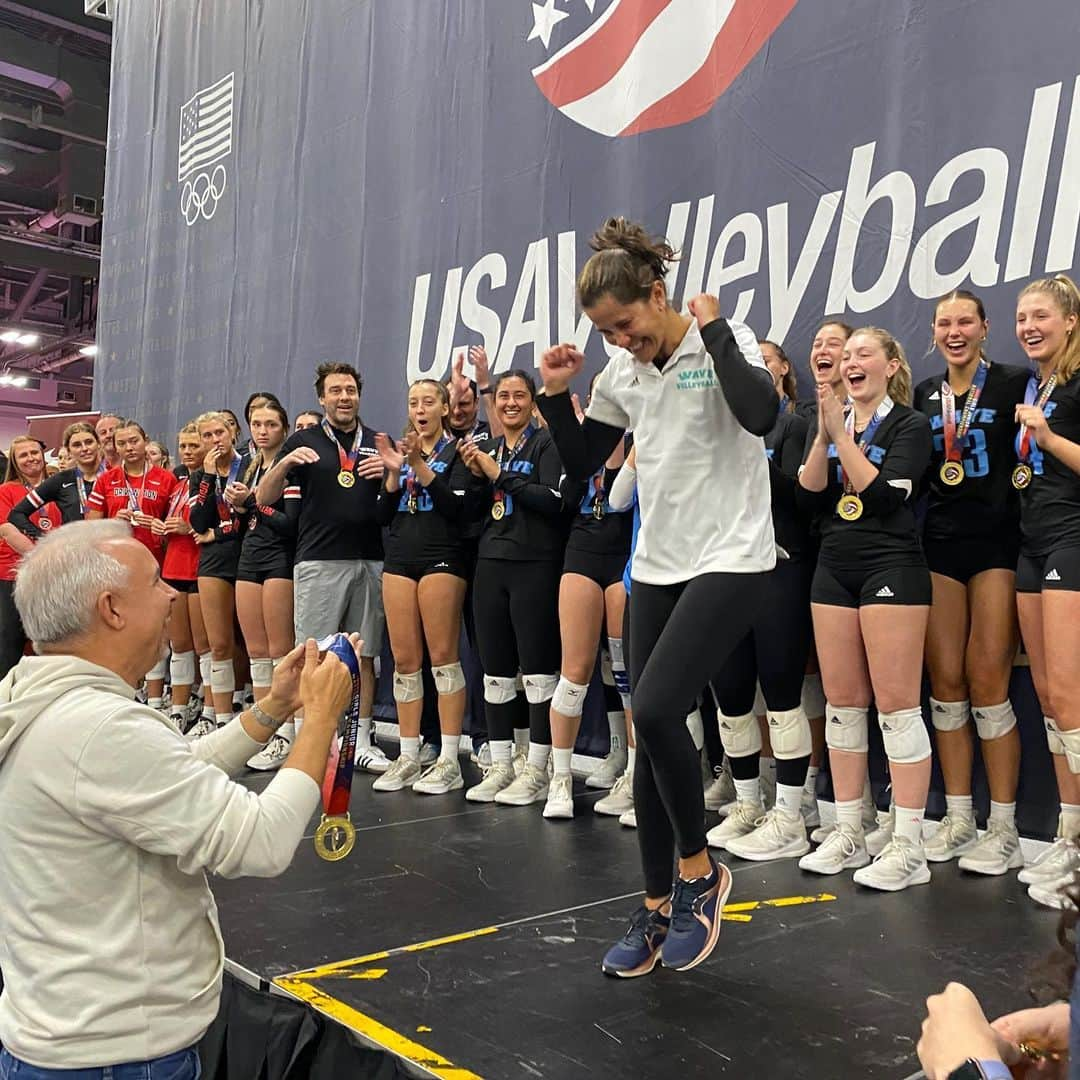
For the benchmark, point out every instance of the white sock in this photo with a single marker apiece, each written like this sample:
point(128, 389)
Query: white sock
point(539, 754)
point(811, 780)
point(410, 747)
point(562, 760)
point(450, 746)
point(500, 751)
point(789, 799)
point(288, 730)
point(849, 813)
point(155, 702)
point(616, 731)
point(748, 790)
point(909, 823)
point(363, 733)
point(521, 739)
point(221, 719)
point(1003, 813)
point(238, 701)
point(631, 758)
point(959, 806)
point(296, 722)
point(826, 812)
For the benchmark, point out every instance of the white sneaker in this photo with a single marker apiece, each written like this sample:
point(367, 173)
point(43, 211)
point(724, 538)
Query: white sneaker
point(401, 773)
point(371, 759)
point(203, 727)
point(443, 776)
point(954, 836)
point(608, 771)
point(272, 755)
point(844, 849)
point(520, 757)
point(741, 821)
point(996, 853)
point(776, 836)
point(428, 755)
point(482, 757)
point(1051, 894)
point(878, 840)
point(899, 865)
point(560, 797)
point(721, 790)
point(620, 799)
point(629, 819)
point(1060, 860)
point(531, 786)
point(499, 776)
point(827, 816)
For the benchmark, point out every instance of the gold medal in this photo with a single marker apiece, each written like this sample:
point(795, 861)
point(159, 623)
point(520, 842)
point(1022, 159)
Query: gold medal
point(952, 473)
point(598, 510)
point(498, 510)
point(1022, 476)
point(346, 479)
point(410, 505)
point(850, 507)
point(335, 837)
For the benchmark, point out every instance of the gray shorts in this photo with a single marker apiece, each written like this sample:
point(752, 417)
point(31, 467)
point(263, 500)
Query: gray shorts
point(339, 595)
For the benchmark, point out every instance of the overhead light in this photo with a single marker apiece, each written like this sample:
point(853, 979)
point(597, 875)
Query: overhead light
point(18, 380)
point(88, 350)
point(9, 336)
point(6, 379)
point(28, 339)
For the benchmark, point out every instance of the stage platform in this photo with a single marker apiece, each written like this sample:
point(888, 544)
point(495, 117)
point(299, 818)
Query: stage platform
point(466, 940)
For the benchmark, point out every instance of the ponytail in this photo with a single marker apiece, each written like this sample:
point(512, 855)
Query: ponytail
point(627, 263)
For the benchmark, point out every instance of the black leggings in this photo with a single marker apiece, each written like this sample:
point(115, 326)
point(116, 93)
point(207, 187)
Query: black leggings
point(680, 636)
point(516, 608)
point(12, 634)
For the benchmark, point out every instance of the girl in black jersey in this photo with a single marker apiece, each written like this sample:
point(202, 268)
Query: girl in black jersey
point(424, 501)
point(971, 536)
point(70, 488)
point(516, 587)
point(773, 653)
point(1047, 474)
point(826, 352)
point(264, 575)
point(218, 517)
point(870, 601)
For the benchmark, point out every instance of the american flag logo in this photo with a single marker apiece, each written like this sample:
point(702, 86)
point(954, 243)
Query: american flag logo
point(640, 65)
point(206, 123)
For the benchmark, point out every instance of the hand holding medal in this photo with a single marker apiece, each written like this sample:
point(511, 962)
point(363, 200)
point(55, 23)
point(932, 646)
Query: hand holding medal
point(1033, 426)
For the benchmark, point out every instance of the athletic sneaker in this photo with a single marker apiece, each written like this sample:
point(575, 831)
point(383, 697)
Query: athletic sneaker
point(1059, 861)
point(629, 819)
point(619, 799)
point(827, 818)
point(560, 797)
point(697, 908)
point(529, 787)
point(429, 754)
point(776, 836)
point(402, 772)
point(371, 759)
point(742, 820)
point(843, 849)
point(879, 839)
point(203, 727)
point(996, 852)
point(638, 950)
point(954, 836)
point(1051, 894)
point(607, 773)
point(272, 755)
point(721, 790)
point(499, 776)
point(443, 776)
point(899, 865)
point(520, 757)
point(482, 757)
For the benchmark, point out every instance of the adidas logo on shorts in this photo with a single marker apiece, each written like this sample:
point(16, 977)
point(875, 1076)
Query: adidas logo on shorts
point(885, 591)
point(1053, 576)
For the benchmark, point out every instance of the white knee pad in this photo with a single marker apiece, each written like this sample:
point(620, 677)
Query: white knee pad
point(760, 708)
point(160, 669)
point(499, 690)
point(449, 678)
point(740, 735)
point(182, 668)
point(408, 687)
point(949, 715)
point(994, 721)
point(1071, 741)
point(846, 728)
point(569, 697)
point(789, 733)
point(206, 661)
point(1053, 736)
point(905, 736)
point(262, 672)
point(813, 697)
point(222, 677)
point(539, 688)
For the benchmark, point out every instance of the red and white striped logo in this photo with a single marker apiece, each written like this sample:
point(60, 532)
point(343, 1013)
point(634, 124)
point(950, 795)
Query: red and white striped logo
point(647, 64)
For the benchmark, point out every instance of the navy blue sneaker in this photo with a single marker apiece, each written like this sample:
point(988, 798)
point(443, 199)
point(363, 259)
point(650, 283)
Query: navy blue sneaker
point(696, 910)
point(637, 952)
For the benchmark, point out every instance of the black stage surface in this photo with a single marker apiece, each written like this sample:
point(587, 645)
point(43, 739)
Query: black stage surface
point(467, 939)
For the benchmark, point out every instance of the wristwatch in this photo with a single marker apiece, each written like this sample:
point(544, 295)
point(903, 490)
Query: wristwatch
point(264, 719)
point(485, 390)
point(973, 1069)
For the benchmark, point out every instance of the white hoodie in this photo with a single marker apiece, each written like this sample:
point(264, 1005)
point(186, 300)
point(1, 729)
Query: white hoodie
point(109, 940)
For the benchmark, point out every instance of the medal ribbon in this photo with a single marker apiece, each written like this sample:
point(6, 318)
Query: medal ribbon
point(599, 494)
point(337, 783)
point(80, 487)
point(954, 433)
point(409, 474)
point(135, 501)
point(1033, 396)
point(225, 511)
point(346, 462)
point(867, 439)
point(526, 435)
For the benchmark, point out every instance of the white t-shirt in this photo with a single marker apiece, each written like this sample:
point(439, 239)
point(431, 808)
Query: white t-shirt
point(703, 479)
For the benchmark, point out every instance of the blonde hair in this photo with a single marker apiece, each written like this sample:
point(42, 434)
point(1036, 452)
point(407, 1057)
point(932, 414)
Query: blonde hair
point(899, 388)
point(211, 417)
point(1066, 296)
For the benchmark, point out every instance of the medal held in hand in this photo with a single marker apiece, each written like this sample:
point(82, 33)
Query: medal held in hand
point(599, 496)
point(954, 433)
point(1023, 474)
point(336, 834)
point(849, 506)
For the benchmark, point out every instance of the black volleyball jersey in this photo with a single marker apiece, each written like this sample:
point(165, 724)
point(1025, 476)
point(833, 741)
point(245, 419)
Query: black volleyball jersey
point(785, 446)
point(333, 522)
point(530, 524)
point(62, 489)
point(886, 534)
point(984, 505)
point(270, 534)
point(208, 511)
point(602, 531)
point(433, 530)
point(1050, 505)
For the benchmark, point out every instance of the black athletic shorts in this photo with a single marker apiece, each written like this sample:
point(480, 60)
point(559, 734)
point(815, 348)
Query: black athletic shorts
point(421, 568)
point(1060, 569)
point(182, 586)
point(219, 561)
point(605, 570)
point(259, 573)
point(961, 560)
point(901, 585)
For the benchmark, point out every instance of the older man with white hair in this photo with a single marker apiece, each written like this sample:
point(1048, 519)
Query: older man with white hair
point(109, 940)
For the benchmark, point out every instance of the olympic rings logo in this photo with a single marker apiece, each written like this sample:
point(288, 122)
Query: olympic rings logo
point(200, 197)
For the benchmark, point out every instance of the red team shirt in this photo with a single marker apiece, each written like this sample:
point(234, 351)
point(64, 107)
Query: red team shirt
point(46, 518)
point(153, 490)
point(181, 552)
